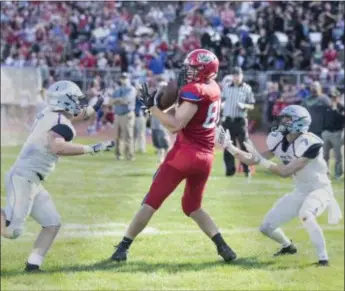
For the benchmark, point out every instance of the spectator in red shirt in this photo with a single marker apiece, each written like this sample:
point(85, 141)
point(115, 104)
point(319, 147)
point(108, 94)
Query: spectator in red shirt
point(88, 60)
point(330, 53)
point(282, 101)
point(191, 43)
point(228, 16)
point(198, 19)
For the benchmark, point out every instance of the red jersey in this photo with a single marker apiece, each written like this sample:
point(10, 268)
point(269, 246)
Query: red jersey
point(199, 133)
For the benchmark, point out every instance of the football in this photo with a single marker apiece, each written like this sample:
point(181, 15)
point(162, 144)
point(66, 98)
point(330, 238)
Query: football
point(168, 96)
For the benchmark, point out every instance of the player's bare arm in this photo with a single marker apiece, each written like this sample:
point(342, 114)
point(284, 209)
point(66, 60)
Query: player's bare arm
point(249, 159)
point(174, 123)
point(224, 139)
point(289, 169)
point(59, 146)
point(278, 169)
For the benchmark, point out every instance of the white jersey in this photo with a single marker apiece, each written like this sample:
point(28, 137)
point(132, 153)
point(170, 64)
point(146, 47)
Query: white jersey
point(35, 157)
point(314, 175)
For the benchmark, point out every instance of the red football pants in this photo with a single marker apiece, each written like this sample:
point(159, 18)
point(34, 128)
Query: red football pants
point(180, 164)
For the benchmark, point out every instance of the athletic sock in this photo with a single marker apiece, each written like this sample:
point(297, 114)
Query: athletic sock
point(35, 259)
point(279, 236)
point(316, 236)
point(218, 240)
point(126, 242)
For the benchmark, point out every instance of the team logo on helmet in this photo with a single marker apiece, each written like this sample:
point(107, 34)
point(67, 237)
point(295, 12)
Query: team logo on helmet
point(205, 58)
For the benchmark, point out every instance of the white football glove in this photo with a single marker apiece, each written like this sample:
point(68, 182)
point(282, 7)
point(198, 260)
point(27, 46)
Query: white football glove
point(258, 158)
point(99, 147)
point(224, 139)
point(251, 149)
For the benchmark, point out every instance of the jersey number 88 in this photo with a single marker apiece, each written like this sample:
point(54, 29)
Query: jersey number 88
point(212, 117)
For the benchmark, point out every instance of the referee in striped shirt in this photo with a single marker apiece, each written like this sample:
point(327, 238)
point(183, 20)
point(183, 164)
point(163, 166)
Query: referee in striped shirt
point(237, 98)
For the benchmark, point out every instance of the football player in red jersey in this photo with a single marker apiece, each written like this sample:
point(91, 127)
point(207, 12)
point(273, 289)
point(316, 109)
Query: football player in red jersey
point(192, 155)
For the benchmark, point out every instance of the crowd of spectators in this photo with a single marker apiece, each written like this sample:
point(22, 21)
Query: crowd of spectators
point(152, 39)
point(281, 94)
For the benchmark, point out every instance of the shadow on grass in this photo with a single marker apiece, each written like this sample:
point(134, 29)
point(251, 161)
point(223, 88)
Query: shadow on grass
point(139, 174)
point(145, 267)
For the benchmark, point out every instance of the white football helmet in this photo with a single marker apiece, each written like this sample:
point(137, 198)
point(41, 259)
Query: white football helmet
point(299, 120)
point(65, 96)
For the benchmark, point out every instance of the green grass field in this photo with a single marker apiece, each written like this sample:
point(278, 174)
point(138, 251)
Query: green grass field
point(97, 197)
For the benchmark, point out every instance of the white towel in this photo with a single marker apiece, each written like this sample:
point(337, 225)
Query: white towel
point(334, 211)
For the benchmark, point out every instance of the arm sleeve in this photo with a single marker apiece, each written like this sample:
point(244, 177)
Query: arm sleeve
point(313, 151)
point(190, 94)
point(64, 130)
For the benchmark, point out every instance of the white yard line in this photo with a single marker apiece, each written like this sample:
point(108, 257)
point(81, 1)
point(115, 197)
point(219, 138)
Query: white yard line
point(117, 193)
point(69, 231)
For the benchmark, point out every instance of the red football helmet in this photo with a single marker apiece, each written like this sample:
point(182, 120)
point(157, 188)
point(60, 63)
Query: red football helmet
point(200, 65)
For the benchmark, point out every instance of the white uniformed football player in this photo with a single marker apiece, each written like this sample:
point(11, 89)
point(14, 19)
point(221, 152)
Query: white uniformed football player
point(50, 138)
point(302, 156)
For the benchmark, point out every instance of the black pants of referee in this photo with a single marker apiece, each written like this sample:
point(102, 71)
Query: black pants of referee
point(238, 128)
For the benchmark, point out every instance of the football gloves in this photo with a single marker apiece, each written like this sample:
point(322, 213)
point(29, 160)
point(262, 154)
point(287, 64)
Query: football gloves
point(99, 147)
point(251, 149)
point(148, 99)
point(258, 158)
point(223, 138)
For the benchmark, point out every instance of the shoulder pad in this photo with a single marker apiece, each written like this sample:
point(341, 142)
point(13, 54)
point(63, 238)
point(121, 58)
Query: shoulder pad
point(305, 141)
point(61, 119)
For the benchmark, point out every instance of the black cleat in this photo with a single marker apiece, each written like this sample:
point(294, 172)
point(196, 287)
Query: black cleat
point(322, 263)
point(30, 268)
point(120, 253)
point(226, 253)
point(290, 250)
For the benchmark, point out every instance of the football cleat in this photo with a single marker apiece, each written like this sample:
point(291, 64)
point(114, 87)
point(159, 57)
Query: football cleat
point(226, 253)
point(120, 254)
point(322, 263)
point(30, 268)
point(290, 250)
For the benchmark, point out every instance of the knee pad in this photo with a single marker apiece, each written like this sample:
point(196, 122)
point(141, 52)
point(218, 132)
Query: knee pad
point(266, 228)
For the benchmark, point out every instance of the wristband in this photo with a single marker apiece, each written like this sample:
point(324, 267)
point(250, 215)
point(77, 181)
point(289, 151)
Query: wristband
point(87, 149)
point(233, 150)
point(255, 158)
point(266, 163)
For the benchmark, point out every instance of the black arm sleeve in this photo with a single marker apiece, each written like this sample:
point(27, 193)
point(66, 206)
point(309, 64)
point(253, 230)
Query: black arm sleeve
point(312, 151)
point(64, 130)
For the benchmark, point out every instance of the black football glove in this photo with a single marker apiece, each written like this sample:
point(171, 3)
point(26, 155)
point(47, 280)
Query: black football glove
point(148, 100)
